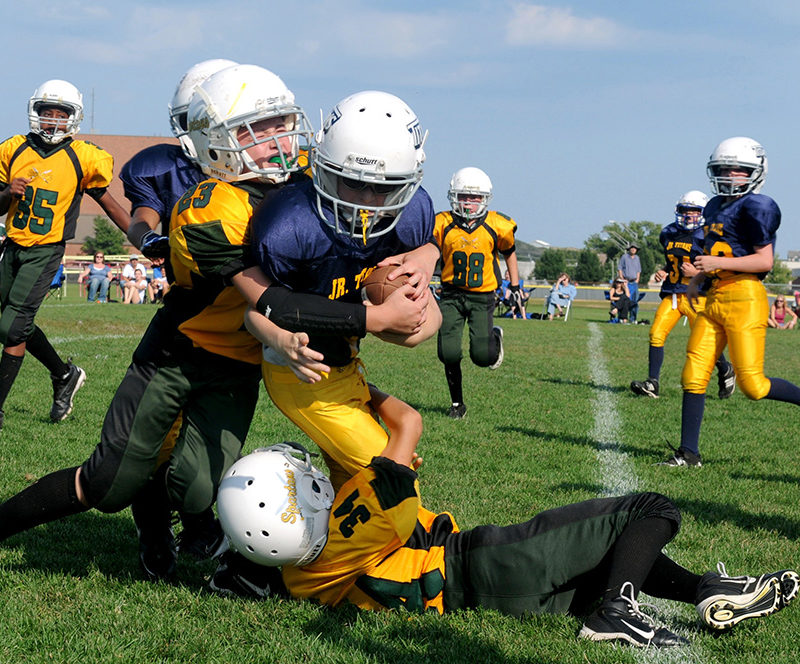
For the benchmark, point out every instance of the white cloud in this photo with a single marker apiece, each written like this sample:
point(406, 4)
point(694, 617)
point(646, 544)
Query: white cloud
point(537, 25)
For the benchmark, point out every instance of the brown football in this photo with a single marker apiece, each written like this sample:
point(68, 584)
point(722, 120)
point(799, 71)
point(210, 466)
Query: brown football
point(377, 287)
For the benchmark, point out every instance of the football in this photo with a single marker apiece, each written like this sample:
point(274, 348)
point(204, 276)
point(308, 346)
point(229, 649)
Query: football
point(377, 287)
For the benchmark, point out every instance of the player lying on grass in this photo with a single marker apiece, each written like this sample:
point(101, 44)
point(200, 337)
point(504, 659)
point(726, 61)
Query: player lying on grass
point(374, 545)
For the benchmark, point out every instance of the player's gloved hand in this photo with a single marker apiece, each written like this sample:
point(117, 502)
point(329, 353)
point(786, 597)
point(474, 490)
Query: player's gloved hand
point(155, 245)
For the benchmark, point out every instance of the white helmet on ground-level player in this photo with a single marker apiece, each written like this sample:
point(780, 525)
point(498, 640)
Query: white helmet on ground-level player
point(274, 506)
point(370, 140)
point(59, 94)
point(179, 105)
point(693, 201)
point(469, 181)
point(240, 97)
point(741, 153)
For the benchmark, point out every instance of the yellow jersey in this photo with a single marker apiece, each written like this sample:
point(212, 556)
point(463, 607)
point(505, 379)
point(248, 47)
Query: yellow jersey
point(210, 243)
point(384, 550)
point(469, 253)
point(59, 176)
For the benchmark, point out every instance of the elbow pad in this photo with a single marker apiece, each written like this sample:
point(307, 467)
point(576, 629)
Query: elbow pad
point(314, 314)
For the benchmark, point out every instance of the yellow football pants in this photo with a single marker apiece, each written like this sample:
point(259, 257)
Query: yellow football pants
point(736, 313)
point(668, 314)
point(334, 412)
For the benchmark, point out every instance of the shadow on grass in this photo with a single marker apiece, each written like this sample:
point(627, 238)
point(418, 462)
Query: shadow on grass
point(715, 512)
point(416, 639)
point(80, 544)
point(616, 389)
point(582, 441)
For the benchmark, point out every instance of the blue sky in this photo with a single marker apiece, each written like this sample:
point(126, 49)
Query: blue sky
point(580, 112)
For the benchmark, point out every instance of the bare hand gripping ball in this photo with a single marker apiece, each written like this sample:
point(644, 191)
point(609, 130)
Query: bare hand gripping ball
point(377, 287)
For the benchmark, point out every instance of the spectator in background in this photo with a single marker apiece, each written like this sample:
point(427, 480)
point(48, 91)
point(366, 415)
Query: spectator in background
point(562, 293)
point(129, 271)
point(620, 301)
point(98, 276)
point(781, 317)
point(630, 269)
point(159, 285)
point(136, 288)
point(796, 305)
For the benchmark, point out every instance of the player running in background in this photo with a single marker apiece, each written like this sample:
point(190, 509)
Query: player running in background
point(740, 232)
point(470, 237)
point(195, 359)
point(43, 176)
point(682, 241)
point(372, 544)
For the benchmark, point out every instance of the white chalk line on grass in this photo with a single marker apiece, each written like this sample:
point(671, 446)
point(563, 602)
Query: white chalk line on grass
point(617, 476)
point(92, 337)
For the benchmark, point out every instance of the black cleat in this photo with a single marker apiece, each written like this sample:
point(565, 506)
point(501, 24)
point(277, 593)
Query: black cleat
point(621, 619)
point(238, 577)
point(645, 388)
point(682, 457)
point(723, 601)
point(64, 389)
point(726, 381)
point(457, 411)
point(158, 553)
point(202, 537)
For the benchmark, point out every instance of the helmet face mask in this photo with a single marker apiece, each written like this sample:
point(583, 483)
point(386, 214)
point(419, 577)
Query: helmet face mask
point(689, 210)
point(737, 154)
point(179, 106)
point(55, 94)
point(274, 506)
point(466, 185)
point(227, 117)
point(367, 164)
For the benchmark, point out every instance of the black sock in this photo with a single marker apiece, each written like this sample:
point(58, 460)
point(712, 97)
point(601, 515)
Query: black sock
point(783, 390)
point(635, 552)
point(151, 507)
point(691, 419)
point(9, 368)
point(669, 580)
point(655, 360)
point(39, 346)
point(722, 363)
point(453, 374)
point(50, 498)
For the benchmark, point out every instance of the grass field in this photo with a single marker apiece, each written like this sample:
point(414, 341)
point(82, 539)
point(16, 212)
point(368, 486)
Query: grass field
point(555, 424)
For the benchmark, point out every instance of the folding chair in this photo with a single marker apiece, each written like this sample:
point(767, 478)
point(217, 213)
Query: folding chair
point(565, 307)
point(57, 284)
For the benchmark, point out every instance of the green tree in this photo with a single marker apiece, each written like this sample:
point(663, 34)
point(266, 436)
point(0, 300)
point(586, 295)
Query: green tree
point(107, 238)
point(588, 269)
point(551, 263)
point(615, 238)
point(780, 274)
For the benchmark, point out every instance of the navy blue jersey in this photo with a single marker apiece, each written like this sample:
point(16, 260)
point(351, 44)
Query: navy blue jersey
point(680, 246)
point(157, 177)
point(298, 250)
point(737, 228)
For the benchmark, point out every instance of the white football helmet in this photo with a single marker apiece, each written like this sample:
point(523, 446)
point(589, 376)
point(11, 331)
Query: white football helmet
point(738, 152)
point(63, 95)
point(370, 140)
point(274, 506)
point(474, 182)
point(691, 200)
point(179, 106)
point(241, 96)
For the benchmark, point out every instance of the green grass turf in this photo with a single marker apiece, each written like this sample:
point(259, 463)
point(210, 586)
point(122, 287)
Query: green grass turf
point(72, 590)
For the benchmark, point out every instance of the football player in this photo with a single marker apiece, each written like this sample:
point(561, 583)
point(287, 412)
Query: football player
point(317, 240)
point(738, 252)
point(154, 179)
point(682, 241)
point(195, 358)
point(372, 544)
point(43, 176)
point(470, 237)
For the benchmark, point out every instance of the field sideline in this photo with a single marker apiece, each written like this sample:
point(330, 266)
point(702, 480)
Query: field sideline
point(555, 424)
